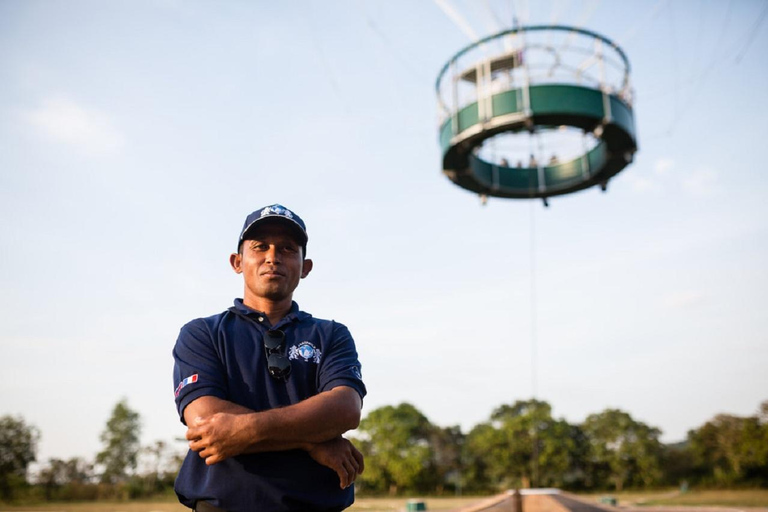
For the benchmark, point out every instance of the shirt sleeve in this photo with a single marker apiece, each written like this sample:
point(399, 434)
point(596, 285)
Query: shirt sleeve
point(340, 365)
point(198, 369)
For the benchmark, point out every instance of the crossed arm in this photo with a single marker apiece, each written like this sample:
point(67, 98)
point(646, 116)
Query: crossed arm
point(218, 429)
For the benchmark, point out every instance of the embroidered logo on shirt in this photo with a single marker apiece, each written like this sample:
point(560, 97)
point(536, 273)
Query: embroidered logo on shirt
point(306, 351)
point(189, 380)
point(356, 372)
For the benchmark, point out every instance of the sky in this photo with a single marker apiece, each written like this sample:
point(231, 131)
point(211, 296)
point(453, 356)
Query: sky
point(135, 137)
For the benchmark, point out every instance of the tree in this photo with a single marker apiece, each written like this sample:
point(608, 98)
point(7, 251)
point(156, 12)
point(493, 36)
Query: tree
point(66, 480)
point(158, 467)
point(678, 464)
point(447, 444)
point(762, 413)
point(522, 446)
point(18, 448)
point(121, 444)
point(730, 449)
point(396, 445)
point(486, 458)
point(52, 477)
point(623, 450)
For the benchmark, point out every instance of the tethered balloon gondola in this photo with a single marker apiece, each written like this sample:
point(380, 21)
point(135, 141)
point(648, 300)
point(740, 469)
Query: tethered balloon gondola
point(556, 100)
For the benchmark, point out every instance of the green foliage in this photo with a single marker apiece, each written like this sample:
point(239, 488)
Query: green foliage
point(447, 446)
point(399, 455)
point(729, 450)
point(121, 444)
point(67, 480)
point(522, 446)
point(18, 448)
point(74, 479)
point(677, 464)
point(622, 450)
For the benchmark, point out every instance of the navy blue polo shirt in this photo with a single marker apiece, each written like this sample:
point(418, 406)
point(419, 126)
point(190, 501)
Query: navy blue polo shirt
point(224, 356)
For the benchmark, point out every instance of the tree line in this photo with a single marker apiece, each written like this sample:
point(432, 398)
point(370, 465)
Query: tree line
point(122, 470)
point(520, 445)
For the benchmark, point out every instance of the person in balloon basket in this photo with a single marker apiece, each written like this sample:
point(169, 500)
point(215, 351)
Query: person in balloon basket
point(266, 390)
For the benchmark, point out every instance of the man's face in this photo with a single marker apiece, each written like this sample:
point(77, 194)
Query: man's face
point(271, 262)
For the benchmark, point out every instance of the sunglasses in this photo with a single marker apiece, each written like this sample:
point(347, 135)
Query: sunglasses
point(278, 365)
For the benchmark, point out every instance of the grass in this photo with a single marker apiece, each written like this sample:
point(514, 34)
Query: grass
point(399, 504)
point(361, 505)
point(664, 497)
point(102, 506)
point(692, 498)
point(741, 498)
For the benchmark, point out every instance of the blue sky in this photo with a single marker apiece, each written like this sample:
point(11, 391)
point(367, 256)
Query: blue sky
point(136, 136)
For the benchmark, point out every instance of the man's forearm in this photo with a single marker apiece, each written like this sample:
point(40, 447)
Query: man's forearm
point(220, 429)
point(320, 418)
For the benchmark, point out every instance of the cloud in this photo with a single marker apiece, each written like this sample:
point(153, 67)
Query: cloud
point(663, 166)
point(665, 177)
point(655, 181)
point(87, 130)
point(701, 182)
point(641, 183)
point(678, 300)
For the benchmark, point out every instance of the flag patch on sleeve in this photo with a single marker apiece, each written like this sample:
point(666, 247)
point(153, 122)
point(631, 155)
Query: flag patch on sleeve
point(189, 380)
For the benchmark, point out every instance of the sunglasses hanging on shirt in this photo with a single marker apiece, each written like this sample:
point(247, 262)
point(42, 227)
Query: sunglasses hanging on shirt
point(278, 365)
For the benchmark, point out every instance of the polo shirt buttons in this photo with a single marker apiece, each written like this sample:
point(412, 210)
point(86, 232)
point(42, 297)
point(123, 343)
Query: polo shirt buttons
point(261, 319)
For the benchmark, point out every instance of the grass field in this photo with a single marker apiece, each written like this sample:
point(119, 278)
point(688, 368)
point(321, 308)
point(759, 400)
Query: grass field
point(361, 505)
point(694, 498)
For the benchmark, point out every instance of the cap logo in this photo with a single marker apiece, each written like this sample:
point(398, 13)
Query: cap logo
point(276, 209)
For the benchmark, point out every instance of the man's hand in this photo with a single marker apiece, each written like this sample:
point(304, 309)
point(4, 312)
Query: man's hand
point(341, 456)
point(218, 437)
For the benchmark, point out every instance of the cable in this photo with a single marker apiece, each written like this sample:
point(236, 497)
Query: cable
point(675, 67)
point(513, 13)
point(525, 15)
point(391, 47)
point(494, 17)
point(457, 19)
point(753, 33)
point(558, 6)
point(715, 59)
point(582, 21)
point(588, 13)
point(636, 28)
point(534, 376)
point(322, 58)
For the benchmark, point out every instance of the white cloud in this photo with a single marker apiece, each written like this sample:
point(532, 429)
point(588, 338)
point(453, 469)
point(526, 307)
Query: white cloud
point(701, 182)
point(654, 181)
point(697, 183)
point(663, 166)
point(88, 130)
point(641, 183)
point(683, 299)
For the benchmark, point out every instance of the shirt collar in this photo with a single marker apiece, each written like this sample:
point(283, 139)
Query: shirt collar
point(294, 315)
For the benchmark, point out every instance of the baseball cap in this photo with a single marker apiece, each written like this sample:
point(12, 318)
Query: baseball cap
point(280, 213)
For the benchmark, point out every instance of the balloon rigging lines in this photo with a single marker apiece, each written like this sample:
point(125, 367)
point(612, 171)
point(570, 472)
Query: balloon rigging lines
point(753, 33)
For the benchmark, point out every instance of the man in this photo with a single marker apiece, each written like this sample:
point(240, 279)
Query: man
point(266, 390)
